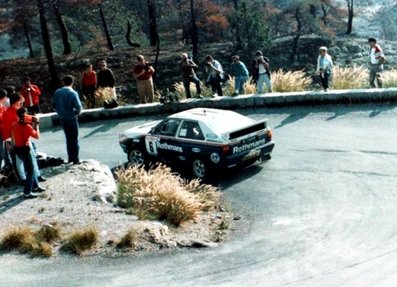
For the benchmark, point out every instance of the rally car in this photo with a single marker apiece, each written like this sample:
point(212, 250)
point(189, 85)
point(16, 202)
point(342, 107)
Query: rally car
point(202, 139)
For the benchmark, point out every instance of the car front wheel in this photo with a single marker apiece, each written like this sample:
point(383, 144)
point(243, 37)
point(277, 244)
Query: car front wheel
point(199, 168)
point(136, 157)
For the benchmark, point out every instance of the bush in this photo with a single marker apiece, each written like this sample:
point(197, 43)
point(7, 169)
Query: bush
point(390, 78)
point(355, 77)
point(49, 232)
point(290, 81)
point(81, 240)
point(128, 240)
point(161, 194)
point(102, 95)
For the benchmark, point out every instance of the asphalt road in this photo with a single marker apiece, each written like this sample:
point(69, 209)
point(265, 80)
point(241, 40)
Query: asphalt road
point(322, 212)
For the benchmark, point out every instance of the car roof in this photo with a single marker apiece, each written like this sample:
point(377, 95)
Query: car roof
point(221, 121)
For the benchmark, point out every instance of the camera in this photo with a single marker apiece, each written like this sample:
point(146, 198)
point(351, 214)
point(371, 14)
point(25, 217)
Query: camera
point(29, 119)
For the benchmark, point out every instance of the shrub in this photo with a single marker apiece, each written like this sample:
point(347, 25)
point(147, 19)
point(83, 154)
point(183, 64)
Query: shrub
point(390, 78)
point(80, 240)
point(161, 194)
point(49, 232)
point(250, 87)
point(128, 240)
point(290, 81)
point(355, 77)
point(101, 95)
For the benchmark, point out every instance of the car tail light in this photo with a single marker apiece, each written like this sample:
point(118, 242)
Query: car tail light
point(269, 134)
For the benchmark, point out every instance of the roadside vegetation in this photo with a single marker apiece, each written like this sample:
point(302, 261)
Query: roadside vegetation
point(162, 195)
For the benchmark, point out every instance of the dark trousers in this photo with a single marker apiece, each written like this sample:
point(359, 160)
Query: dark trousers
point(26, 156)
point(186, 84)
point(89, 93)
point(324, 78)
point(215, 83)
point(32, 110)
point(71, 129)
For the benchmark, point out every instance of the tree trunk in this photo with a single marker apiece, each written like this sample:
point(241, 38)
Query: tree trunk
point(156, 60)
point(194, 31)
point(325, 13)
point(47, 47)
point(105, 28)
point(67, 49)
point(25, 29)
point(152, 22)
point(128, 37)
point(298, 34)
point(350, 13)
point(235, 4)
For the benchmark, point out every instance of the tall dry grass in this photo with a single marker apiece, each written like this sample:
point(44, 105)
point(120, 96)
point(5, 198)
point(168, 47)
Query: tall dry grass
point(102, 95)
point(290, 81)
point(161, 194)
point(389, 78)
point(355, 77)
point(80, 240)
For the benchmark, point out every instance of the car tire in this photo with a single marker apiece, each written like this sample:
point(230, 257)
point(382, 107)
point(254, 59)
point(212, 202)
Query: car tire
point(136, 157)
point(200, 168)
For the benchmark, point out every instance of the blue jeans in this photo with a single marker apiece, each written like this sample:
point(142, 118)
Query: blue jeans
point(239, 82)
point(25, 155)
point(186, 84)
point(71, 129)
point(264, 78)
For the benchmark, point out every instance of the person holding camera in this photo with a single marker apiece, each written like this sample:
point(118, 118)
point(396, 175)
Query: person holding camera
point(66, 103)
point(262, 64)
point(21, 132)
point(142, 73)
point(31, 94)
point(187, 67)
point(324, 67)
point(215, 75)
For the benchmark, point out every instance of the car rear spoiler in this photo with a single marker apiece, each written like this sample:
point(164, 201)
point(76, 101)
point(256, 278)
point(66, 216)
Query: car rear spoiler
point(261, 125)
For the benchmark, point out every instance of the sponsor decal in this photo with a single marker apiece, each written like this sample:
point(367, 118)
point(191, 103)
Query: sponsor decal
point(168, 147)
point(245, 147)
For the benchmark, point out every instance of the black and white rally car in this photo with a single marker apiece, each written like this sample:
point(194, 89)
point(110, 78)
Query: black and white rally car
point(202, 139)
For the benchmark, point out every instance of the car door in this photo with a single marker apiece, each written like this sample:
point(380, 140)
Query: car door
point(161, 142)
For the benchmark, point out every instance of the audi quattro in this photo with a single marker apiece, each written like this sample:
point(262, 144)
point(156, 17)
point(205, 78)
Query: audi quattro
point(202, 139)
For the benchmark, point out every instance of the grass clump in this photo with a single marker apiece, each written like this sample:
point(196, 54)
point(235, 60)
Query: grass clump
point(80, 240)
point(290, 81)
point(101, 95)
point(128, 240)
point(389, 78)
point(49, 232)
point(24, 240)
point(160, 194)
point(355, 77)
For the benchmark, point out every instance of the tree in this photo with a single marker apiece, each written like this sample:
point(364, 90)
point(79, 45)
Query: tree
point(105, 28)
point(350, 15)
point(67, 49)
point(152, 22)
point(194, 31)
point(54, 84)
point(21, 18)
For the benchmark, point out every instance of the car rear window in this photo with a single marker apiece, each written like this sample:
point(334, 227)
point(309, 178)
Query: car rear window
point(227, 122)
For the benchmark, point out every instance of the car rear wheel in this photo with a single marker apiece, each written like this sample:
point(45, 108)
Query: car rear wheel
point(136, 157)
point(200, 169)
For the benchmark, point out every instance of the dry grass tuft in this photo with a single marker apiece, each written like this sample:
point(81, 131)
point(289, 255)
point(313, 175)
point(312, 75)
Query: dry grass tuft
point(101, 95)
point(389, 78)
point(290, 81)
point(128, 240)
point(81, 240)
point(250, 87)
point(355, 77)
point(159, 193)
point(49, 232)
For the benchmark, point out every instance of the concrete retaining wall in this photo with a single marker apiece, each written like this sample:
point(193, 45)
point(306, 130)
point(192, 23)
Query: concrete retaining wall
point(238, 102)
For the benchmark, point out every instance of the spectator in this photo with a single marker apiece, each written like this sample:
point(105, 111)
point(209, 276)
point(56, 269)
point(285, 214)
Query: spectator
point(88, 85)
point(105, 78)
point(21, 133)
point(240, 73)
point(324, 67)
point(3, 98)
point(187, 67)
point(31, 94)
point(215, 75)
point(142, 73)
point(262, 64)
point(376, 61)
point(67, 104)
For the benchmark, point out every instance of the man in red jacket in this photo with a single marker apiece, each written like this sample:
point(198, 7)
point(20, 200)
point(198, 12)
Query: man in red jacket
point(31, 94)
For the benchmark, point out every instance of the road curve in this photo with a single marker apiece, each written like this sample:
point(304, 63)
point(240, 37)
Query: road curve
point(322, 212)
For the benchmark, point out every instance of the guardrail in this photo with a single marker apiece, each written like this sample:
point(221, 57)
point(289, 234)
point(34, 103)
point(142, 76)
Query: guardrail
point(237, 102)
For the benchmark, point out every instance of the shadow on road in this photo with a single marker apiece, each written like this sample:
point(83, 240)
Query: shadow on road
point(10, 203)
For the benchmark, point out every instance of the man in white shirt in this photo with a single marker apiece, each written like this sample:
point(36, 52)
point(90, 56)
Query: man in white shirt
point(262, 64)
point(376, 61)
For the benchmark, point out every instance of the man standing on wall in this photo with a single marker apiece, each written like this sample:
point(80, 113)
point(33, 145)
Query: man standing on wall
point(187, 67)
point(67, 104)
point(376, 61)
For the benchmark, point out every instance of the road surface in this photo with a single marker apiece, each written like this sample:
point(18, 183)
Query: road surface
point(322, 212)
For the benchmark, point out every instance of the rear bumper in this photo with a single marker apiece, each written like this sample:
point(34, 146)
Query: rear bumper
point(250, 155)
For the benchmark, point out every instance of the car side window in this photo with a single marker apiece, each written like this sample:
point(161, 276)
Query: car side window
point(167, 127)
point(191, 130)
